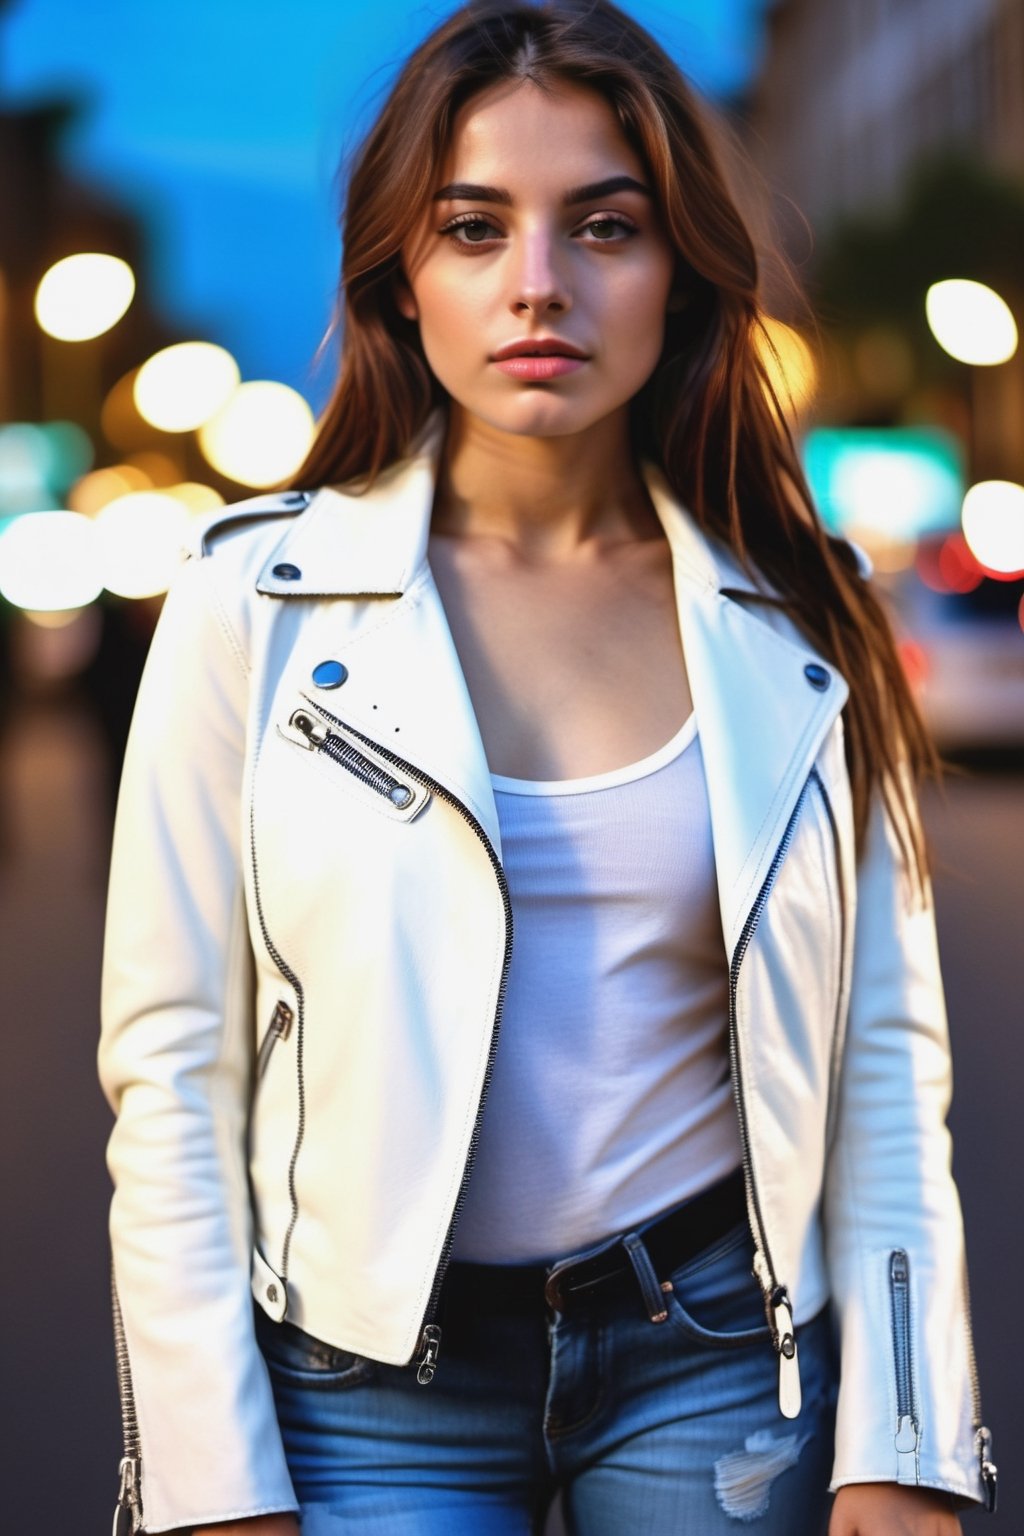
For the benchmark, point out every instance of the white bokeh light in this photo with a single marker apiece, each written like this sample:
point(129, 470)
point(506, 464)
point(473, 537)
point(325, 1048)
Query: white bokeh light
point(82, 296)
point(141, 538)
point(50, 560)
point(180, 387)
point(993, 524)
point(971, 322)
point(261, 436)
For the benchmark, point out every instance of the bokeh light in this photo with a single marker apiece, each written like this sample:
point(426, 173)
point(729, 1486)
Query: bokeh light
point(50, 560)
point(141, 538)
point(90, 494)
point(84, 295)
point(790, 366)
point(971, 322)
point(180, 387)
point(261, 436)
point(993, 524)
point(198, 498)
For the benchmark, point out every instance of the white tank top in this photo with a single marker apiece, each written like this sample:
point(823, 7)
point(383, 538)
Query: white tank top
point(610, 1098)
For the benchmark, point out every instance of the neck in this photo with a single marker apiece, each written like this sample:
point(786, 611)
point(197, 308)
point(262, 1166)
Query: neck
point(547, 498)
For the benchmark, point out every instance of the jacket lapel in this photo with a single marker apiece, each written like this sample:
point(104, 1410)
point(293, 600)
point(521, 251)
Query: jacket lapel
point(761, 718)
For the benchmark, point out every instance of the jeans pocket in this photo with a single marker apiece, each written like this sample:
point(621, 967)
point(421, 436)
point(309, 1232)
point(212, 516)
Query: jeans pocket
point(295, 1356)
point(715, 1297)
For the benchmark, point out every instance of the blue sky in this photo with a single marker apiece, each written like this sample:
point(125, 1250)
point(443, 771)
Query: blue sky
point(220, 125)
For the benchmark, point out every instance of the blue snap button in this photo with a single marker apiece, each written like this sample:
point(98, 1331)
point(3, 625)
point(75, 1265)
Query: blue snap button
point(816, 675)
point(329, 674)
point(401, 795)
point(286, 572)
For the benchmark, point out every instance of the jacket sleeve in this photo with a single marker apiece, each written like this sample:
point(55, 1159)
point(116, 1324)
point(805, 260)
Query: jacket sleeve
point(908, 1406)
point(175, 1063)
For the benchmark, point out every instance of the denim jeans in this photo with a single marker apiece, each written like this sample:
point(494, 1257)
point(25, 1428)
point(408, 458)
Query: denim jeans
point(658, 1429)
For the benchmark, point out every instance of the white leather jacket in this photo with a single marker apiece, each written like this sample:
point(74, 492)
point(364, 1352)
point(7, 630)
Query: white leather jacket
point(308, 936)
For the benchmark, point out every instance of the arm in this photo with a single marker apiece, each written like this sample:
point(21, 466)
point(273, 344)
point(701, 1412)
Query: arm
point(175, 1064)
point(908, 1411)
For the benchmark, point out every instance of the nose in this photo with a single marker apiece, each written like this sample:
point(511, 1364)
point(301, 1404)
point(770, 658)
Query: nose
point(538, 280)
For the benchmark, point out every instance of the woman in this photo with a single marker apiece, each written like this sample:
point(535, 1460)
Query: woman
point(557, 527)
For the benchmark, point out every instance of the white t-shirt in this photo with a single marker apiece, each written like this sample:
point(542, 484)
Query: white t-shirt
point(610, 1098)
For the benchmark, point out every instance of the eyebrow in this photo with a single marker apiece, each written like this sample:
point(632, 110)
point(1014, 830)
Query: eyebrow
point(472, 192)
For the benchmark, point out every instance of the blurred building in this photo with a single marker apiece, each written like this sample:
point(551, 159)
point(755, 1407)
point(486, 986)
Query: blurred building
point(854, 93)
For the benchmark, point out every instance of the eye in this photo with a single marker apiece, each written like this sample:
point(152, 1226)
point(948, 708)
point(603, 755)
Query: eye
point(476, 222)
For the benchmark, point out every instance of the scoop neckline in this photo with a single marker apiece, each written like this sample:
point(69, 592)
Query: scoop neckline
point(610, 777)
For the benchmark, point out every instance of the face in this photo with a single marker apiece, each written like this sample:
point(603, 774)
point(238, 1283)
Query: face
point(502, 257)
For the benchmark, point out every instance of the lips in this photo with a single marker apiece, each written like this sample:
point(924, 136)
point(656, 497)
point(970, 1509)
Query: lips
point(544, 347)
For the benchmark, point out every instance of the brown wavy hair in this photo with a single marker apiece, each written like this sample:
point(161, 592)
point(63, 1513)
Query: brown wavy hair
point(709, 415)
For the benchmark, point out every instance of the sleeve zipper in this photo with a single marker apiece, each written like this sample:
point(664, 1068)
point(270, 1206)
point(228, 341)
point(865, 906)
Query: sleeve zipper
point(907, 1424)
point(128, 1509)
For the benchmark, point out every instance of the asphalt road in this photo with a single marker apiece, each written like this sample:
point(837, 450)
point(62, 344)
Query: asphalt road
point(61, 1431)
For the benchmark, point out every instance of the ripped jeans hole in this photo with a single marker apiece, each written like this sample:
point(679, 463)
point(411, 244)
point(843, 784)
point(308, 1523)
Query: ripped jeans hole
point(743, 1479)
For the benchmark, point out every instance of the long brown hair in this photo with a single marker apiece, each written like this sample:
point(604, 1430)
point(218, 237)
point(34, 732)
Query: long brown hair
point(708, 416)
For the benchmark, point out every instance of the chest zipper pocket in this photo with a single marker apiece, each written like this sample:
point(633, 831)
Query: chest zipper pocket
point(399, 797)
point(906, 1438)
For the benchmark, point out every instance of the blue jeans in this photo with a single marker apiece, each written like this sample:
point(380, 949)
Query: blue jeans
point(657, 1429)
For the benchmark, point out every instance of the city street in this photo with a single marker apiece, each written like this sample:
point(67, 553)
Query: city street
point(62, 1437)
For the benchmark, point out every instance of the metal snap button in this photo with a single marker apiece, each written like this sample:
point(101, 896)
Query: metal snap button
point(816, 675)
point(286, 572)
point(401, 795)
point(271, 1293)
point(329, 674)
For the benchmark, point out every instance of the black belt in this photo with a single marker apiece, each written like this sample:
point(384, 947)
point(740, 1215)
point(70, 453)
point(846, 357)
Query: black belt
point(670, 1241)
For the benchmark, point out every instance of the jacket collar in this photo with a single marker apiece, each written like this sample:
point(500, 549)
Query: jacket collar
point(763, 696)
point(347, 545)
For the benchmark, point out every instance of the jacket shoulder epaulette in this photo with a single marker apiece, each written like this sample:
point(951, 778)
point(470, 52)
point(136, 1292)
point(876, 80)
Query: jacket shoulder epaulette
point(272, 504)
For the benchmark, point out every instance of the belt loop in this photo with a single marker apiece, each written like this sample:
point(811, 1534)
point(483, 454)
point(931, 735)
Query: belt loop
point(650, 1285)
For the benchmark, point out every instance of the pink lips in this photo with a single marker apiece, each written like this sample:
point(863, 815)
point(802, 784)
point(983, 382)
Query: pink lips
point(539, 368)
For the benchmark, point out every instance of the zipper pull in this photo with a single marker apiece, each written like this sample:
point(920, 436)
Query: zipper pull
point(128, 1511)
point(315, 731)
point(988, 1467)
point(906, 1433)
point(281, 1020)
point(780, 1317)
point(431, 1345)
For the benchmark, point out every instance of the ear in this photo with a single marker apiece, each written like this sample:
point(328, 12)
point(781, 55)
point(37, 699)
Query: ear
point(404, 298)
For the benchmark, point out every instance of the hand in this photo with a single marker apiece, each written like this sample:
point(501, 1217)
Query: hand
point(892, 1509)
point(255, 1525)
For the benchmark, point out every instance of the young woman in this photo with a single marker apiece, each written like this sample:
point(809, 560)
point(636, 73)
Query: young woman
point(415, 1225)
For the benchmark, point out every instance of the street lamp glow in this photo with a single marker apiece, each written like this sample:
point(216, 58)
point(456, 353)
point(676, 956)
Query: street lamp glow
point(261, 435)
point(82, 296)
point(993, 524)
point(180, 387)
point(140, 537)
point(971, 322)
point(50, 560)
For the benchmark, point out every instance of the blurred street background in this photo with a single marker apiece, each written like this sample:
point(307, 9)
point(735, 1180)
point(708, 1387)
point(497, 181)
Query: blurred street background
point(169, 201)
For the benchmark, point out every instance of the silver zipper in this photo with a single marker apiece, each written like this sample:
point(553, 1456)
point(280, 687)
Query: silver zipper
point(300, 1079)
point(321, 737)
point(907, 1424)
point(429, 1341)
point(128, 1509)
point(837, 1026)
point(982, 1434)
point(778, 1307)
point(279, 1028)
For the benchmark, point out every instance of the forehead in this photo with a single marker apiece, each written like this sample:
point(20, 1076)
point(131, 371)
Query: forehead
point(516, 131)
